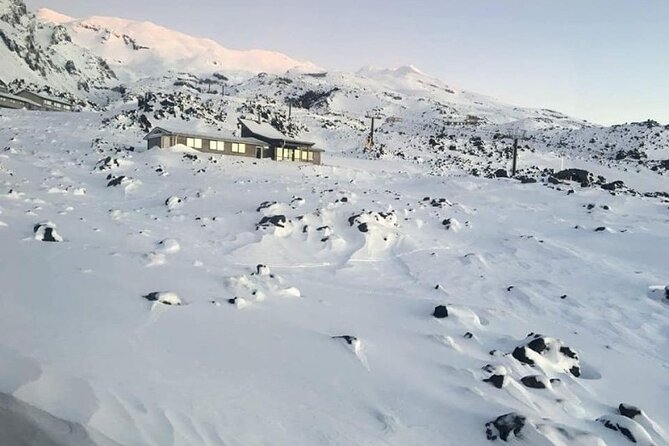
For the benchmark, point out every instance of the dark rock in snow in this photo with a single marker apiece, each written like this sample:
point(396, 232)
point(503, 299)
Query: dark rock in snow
point(46, 232)
point(363, 227)
point(600, 229)
point(520, 353)
point(440, 311)
point(346, 338)
point(629, 411)
point(272, 220)
point(533, 382)
point(579, 175)
point(167, 298)
point(613, 185)
point(526, 180)
point(502, 427)
point(501, 173)
point(116, 181)
point(496, 380)
point(468, 335)
point(616, 425)
point(535, 344)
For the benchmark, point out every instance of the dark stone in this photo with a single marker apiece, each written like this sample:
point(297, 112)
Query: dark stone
point(440, 311)
point(496, 380)
point(520, 353)
point(618, 428)
point(600, 229)
point(526, 180)
point(501, 173)
point(233, 300)
point(116, 181)
point(532, 382)
point(553, 180)
point(276, 220)
point(613, 185)
point(579, 175)
point(590, 206)
point(48, 235)
point(363, 227)
point(348, 339)
point(504, 425)
point(538, 345)
point(576, 371)
point(568, 352)
point(629, 411)
point(468, 335)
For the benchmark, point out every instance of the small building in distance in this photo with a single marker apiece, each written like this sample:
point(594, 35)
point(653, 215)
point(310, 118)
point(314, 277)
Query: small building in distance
point(212, 143)
point(46, 103)
point(8, 100)
point(282, 147)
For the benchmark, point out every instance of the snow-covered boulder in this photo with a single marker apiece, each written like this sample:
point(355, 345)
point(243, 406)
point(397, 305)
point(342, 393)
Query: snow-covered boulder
point(504, 426)
point(46, 232)
point(163, 297)
point(549, 354)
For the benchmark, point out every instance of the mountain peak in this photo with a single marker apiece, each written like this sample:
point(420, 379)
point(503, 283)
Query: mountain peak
point(51, 16)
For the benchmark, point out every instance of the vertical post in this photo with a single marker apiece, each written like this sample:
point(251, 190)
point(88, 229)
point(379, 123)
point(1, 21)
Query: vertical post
point(515, 157)
point(371, 133)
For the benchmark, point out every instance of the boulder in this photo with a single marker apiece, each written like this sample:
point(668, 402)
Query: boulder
point(503, 426)
point(579, 175)
point(440, 312)
point(46, 232)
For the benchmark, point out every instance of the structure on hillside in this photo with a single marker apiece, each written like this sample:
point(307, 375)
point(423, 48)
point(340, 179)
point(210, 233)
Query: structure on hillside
point(263, 142)
point(282, 147)
point(47, 103)
point(32, 101)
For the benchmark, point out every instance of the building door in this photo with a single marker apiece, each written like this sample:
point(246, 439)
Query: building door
point(258, 152)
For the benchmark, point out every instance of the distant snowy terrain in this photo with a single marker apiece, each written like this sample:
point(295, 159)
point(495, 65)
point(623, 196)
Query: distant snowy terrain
point(407, 293)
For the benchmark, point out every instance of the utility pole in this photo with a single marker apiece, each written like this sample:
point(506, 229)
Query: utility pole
point(515, 157)
point(370, 139)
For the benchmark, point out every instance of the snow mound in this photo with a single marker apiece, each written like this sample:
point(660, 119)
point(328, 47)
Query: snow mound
point(549, 354)
point(163, 297)
point(46, 232)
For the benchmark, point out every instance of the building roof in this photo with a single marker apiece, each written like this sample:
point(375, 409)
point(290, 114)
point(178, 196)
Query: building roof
point(211, 136)
point(266, 130)
point(47, 97)
point(19, 98)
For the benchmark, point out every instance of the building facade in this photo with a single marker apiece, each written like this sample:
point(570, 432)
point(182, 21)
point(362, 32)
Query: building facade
point(8, 100)
point(46, 103)
point(282, 147)
point(221, 144)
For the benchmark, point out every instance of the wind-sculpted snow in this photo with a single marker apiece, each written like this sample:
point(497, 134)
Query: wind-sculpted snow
point(197, 296)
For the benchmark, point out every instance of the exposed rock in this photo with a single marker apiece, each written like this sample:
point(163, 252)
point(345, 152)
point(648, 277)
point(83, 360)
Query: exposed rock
point(548, 353)
point(272, 220)
point(496, 380)
point(614, 185)
point(579, 175)
point(163, 297)
point(440, 311)
point(629, 411)
point(46, 232)
point(534, 382)
point(503, 426)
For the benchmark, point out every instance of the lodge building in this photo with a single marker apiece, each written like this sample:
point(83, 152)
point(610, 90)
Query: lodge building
point(32, 101)
point(258, 140)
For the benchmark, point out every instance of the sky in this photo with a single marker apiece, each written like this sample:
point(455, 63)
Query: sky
point(606, 61)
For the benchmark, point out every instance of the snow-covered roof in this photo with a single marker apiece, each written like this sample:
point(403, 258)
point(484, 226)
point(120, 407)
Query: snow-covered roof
point(19, 98)
point(212, 136)
point(265, 130)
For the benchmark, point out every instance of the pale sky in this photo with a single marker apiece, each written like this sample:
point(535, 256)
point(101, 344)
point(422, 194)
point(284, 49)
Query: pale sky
point(602, 60)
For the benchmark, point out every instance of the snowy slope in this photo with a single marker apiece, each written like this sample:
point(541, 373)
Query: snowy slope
point(368, 249)
point(138, 49)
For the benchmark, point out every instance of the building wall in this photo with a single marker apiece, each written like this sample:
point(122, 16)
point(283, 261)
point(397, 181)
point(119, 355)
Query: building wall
point(52, 106)
point(15, 104)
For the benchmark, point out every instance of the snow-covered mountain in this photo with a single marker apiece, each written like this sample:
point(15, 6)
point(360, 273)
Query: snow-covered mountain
point(44, 54)
point(139, 49)
point(405, 293)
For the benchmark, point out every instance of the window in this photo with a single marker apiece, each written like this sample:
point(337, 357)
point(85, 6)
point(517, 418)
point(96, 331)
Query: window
point(279, 154)
point(298, 154)
point(311, 156)
point(217, 145)
point(195, 143)
point(305, 155)
point(238, 148)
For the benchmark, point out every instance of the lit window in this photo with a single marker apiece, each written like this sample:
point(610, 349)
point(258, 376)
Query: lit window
point(305, 155)
point(238, 147)
point(217, 145)
point(311, 156)
point(190, 142)
point(279, 154)
point(298, 154)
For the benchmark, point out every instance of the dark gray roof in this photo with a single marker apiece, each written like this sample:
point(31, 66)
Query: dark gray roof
point(211, 136)
point(266, 130)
